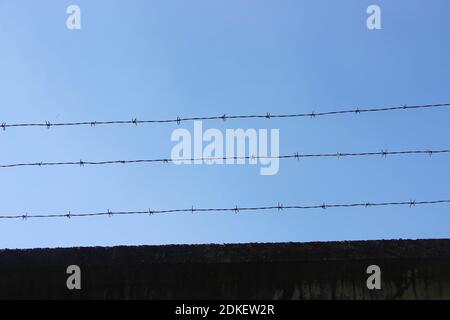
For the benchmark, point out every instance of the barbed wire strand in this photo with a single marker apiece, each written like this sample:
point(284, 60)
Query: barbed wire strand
point(297, 156)
point(236, 209)
point(224, 117)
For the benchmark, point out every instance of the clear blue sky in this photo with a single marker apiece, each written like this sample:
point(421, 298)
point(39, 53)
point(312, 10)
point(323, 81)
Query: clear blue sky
point(163, 59)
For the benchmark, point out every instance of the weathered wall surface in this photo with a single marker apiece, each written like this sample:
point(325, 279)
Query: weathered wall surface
point(333, 270)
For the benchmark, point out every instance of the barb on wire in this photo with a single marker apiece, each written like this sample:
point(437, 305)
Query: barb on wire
point(296, 156)
point(236, 209)
point(178, 120)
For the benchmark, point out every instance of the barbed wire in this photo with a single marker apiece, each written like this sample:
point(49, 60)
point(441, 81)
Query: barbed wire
point(224, 117)
point(297, 156)
point(236, 209)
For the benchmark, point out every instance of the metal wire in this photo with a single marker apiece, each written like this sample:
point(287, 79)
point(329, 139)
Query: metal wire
point(224, 117)
point(236, 209)
point(297, 156)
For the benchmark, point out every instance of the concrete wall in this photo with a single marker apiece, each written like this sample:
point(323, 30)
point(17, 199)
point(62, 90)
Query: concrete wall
point(333, 270)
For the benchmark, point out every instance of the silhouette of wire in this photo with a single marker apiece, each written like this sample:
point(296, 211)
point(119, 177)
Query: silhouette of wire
point(297, 156)
point(224, 117)
point(236, 209)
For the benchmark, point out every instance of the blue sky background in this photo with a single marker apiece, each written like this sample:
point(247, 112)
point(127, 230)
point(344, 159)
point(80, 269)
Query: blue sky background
point(163, 59)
